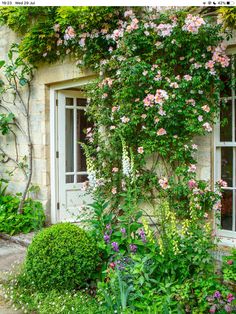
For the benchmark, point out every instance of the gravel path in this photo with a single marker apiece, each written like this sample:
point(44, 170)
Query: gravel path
point(10, 254)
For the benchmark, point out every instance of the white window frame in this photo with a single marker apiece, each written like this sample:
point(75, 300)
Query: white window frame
point(231, 235)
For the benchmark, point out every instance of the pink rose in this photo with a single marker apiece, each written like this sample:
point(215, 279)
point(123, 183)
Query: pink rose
point(161, 132)
point(192, 184)
point(140, 150)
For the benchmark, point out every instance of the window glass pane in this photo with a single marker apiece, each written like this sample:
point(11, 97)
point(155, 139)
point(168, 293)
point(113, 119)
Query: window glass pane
point(82, 178)
point(226, 121)
point(227, 165)
point(69, 140)
point(70, 178)
point(69, 101)
point(82, 125)
point(226, 210)
point(225, 77)
point(81, 102)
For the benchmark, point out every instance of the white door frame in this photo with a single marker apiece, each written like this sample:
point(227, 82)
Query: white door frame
point(54, 179)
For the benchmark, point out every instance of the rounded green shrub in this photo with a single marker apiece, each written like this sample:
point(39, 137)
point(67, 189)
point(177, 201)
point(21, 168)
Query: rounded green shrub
point(60, 257)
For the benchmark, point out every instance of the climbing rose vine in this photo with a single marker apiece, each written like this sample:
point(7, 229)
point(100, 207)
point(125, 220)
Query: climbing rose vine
point(158, 89)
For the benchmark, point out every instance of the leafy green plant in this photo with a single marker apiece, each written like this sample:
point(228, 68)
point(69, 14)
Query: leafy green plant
point(31, 219)
point(60, 257)
point(229, 267)
point(26, 299)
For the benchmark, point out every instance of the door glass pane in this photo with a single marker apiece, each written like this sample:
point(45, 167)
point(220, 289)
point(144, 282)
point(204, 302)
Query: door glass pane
point(226, 122)
point(227, 165)
point(81, 126)
point(69, 101)
point(69, 140)
point(82, 178)
point(70, 178)
point(226, 210)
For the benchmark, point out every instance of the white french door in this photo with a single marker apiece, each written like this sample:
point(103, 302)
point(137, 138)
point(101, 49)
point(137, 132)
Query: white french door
point(71, 159)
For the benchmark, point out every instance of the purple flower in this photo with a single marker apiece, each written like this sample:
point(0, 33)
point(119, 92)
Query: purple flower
point(115, 246)
point(228, 308)
point(106, 238)
point(142, 235)
point(133, 248)
point(217, 295)
point(108, 227)
point(123, 231)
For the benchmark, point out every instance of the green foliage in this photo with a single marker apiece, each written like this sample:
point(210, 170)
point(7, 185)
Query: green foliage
point(170, 269)
point(40, 41)
point(228, 15)
point(25, 298)
point(31, 219)
point(5, 122)
point(229, 267)
point(61, 257)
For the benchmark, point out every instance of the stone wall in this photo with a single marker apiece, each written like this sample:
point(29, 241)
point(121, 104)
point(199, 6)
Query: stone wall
point(40, 121)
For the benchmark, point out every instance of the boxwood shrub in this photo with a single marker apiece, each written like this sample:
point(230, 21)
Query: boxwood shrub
point(61, 257)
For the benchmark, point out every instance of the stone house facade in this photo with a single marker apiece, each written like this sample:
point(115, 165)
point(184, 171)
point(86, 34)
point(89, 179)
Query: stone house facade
point(57, 118)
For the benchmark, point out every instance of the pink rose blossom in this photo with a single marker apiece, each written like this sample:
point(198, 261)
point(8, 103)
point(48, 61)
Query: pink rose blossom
point(164, 183)
point(197, 65)
point(125, 119)
point(210, 64)
point(114, 108)
point(128, 13)
point(114, 190)
point(230, 262)
point(156, 119)
point(192, 168)
point(161, 132)
point(104, 95)
point(191, 101)
point(69, 33)
point(206, 108)
point(144, 116)
point(174, 85)
point(140, 150)
point(56, 27)
point(193, 23)
point(192, 184)
point(207, 127)
point(161, 96)
point(200, 118)
point(188, 77)
point(165, 30)
point(222, 183)
point(115, 169)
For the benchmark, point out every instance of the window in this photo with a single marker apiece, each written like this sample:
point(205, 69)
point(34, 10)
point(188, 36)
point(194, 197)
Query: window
point(225, 152)
point(75, 124)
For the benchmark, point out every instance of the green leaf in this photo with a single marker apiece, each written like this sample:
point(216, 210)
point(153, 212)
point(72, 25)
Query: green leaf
point(2, 62)
point(23, 81)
